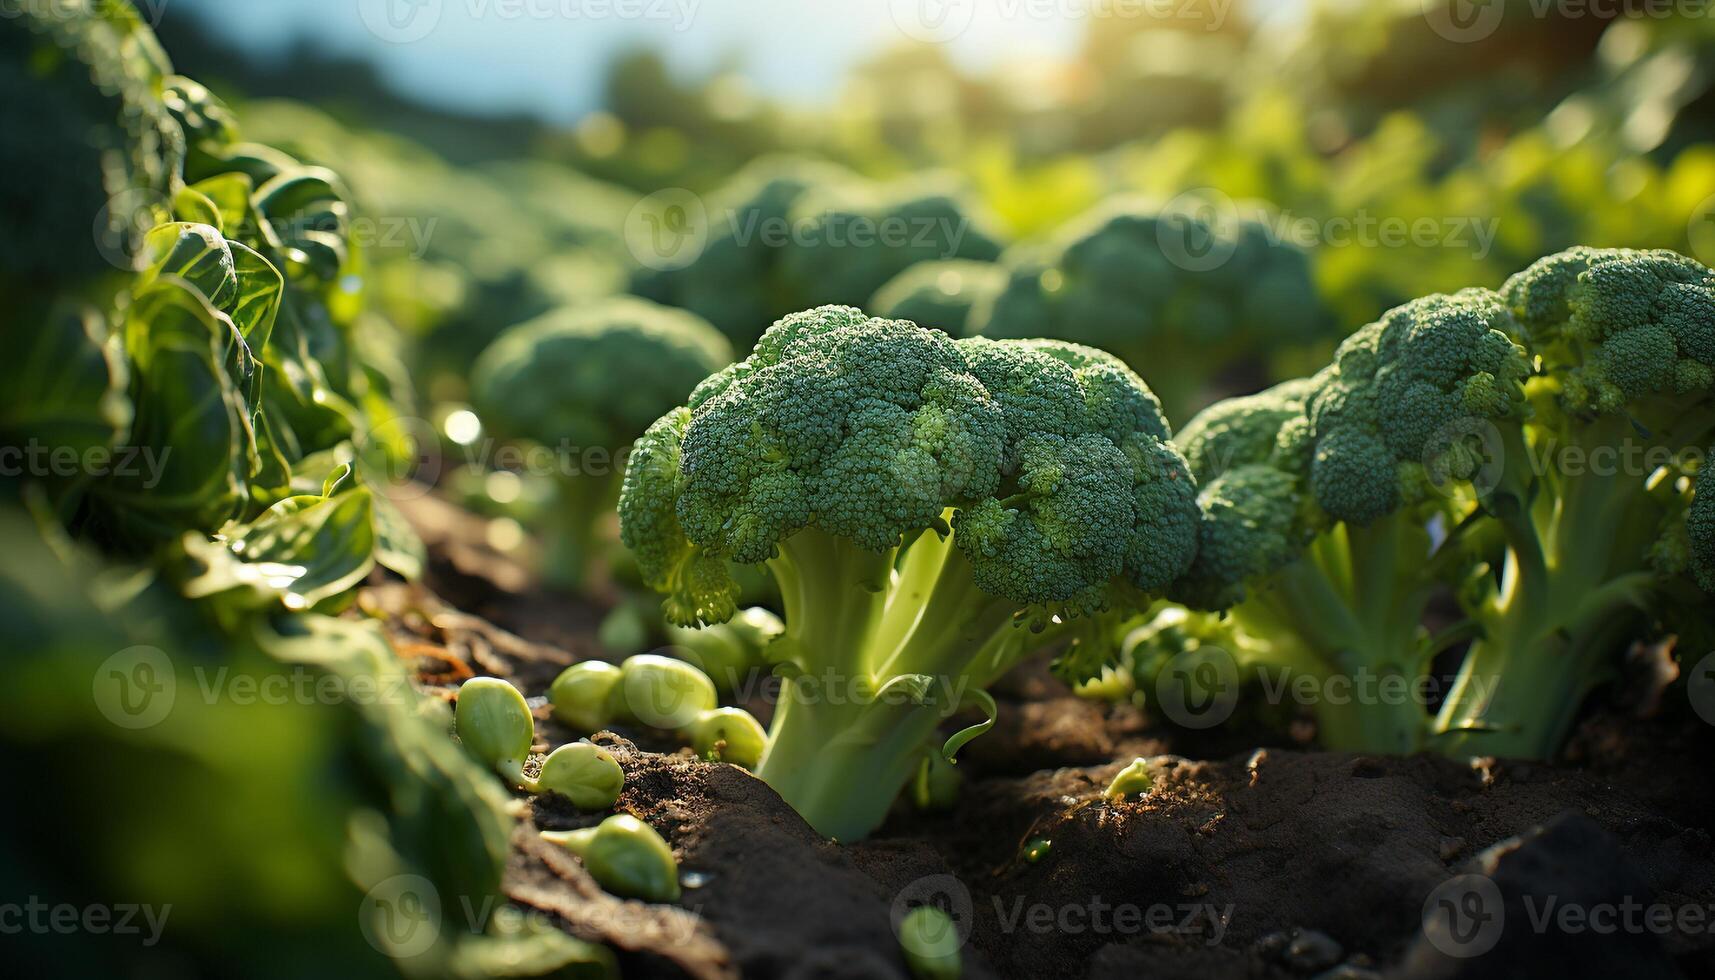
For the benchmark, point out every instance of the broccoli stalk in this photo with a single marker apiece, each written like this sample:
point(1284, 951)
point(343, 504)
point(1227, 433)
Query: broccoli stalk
point(1352, 604)
point(1627, 340)
point(932, 511)
point(577, 528)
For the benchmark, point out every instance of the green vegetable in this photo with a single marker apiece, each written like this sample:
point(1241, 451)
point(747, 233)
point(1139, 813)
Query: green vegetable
point(661, 692)
point(581, 695)
point(1318, 497)
point(586, 774)
point(1535, 452)
point(728, 652)
point(625, 856)
point(1176, 296)
point(931, 944)
point(582, 383)
point(789, 234)
point(932, 510)
point(494, 724)
point(1132, 781)
point(1596, 548)
point(728, 735)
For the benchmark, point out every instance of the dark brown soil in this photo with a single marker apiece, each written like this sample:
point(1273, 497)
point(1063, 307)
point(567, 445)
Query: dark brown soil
point(1276, 861)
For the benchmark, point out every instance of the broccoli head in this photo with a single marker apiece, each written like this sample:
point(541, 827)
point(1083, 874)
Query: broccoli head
point(734, 282)
point(1623, 324)
point(931, 509)
point(585, 382)
point(788, 234)
point(1176, 296)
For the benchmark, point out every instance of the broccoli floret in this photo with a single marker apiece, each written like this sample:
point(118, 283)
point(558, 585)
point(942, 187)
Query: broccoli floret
point(1405, 397)
point(931, 508)
point(1177, 297)
point(1585, 565)
point(583, 383)
point(1623, 324)
point(940, 294)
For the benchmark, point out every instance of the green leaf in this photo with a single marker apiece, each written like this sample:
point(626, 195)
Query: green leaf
point(304, 552)
point(65, 386)
point(191, 417)
point(983, 700)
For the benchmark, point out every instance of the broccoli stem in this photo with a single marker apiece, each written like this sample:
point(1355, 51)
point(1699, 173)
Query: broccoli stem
point(889, 666)
point(1351, 610)
point(578, 530)
point(834, 593)
point(1571, 590)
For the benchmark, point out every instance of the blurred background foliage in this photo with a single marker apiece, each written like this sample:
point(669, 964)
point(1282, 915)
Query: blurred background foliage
point(1368, 153)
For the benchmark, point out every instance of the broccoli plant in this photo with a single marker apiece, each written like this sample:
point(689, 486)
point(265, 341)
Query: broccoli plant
point(932, 510)
point(1319, 497)
point(1175, 296)
point(787, 234)
point(1601, 533)
point(941, 294)
point(585, 382)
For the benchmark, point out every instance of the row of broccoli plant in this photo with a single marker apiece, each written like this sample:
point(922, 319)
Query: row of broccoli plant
point(1531, 454)
point(205, 364)
point(935, 509)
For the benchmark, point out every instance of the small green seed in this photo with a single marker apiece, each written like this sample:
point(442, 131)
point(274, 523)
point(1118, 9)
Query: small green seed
point(662, 692)
point(1037, 848)
point(1133, 781)
point(930, 942)
point(729, 735)
point(625, 856)
point(580, 695)
point(494, 724)
point(586, 774)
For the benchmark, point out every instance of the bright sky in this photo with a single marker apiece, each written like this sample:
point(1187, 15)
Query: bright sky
point(547, 56)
